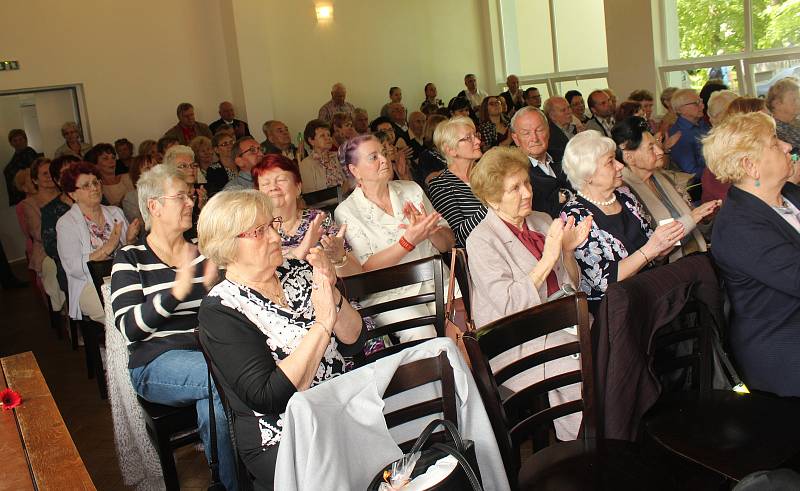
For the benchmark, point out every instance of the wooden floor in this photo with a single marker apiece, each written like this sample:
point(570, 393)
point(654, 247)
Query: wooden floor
point(24, 327)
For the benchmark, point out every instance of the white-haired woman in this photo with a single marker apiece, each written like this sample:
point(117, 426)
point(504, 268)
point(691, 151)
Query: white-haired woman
point(273, 327)
point(621, 241)
point(450, 193)
point(783, 100)
point(73, 141)
point(156, 288)
point(182, 157)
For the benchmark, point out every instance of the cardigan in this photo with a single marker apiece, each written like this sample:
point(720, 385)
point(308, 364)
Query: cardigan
point(74, 249)
point(757, 253)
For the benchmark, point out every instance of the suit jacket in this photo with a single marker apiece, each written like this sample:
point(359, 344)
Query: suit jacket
point(200, 129)
point(594, 124)
point(499, 262)
point(545, 189)
point(510, 102)
point(557, 143)
point(757, 252)
point(240, 127)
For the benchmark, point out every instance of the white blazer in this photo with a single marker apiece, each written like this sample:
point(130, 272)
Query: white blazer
point(74, 249)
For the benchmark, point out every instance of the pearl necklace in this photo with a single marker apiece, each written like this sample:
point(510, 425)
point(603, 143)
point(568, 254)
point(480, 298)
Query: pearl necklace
point(599, 203)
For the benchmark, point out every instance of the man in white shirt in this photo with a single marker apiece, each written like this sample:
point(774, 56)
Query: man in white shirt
point(602, 119)
point(473, 93)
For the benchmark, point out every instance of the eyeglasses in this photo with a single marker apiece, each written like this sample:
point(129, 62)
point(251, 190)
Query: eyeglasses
point(94, 183)
point(186, 197)
point(225, 144)
point(261, 230)
point(187, 166)
point(253, 149)
point(472, 138)
point(693, 103)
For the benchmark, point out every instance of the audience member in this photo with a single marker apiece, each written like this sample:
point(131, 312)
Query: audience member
point(321, 169)
point(668, 119)
point(337, 104)
point(493, 128)
point(416, 129)
point(388, 223)
point(279, 141)
point(73, 141)
point(22, 159)
point(602, 110)
point(577, 105)
point(156, 289)
point(450, 191)
point(559, 118)
point(246, 154)
point(747, 105)
point(661, 198)
point(204, 157)
point(473, 94)
point(645, 98)
point(392, 131)
point(514, 97)
point(130, 203)
point(397, 115)
point(115, 186)
point(272, 327)
point(431, 104)
point(26, 211)
point(612, 97)
point(430, 162)
point(150, 148)
point(343, 130)
point(718, 105)
point(164, 143)
point(756, 245)
point(687, 152)
point(182, 158)
point(224, 170)
point(459, 106)
point(51, 212)
point(783, 100)
point(533, 98)
point(187, 128)
point(711, 86)
point(621, 241)
point(226, 129)
point(47, 191)
point(227, 115)
point(301, 228)
point(531, 133)
point(89, 231)
point(361, 121)
point(124, 150)
point(628, 109)
point(401, 169)
point(395, 95)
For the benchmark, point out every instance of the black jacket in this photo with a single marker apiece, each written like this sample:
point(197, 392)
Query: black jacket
point(557, 143)
point(546, 188)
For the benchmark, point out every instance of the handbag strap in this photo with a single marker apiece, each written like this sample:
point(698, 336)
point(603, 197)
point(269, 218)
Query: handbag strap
point(426, 433)
point(468, 470)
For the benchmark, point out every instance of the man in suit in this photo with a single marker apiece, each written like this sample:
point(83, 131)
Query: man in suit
point(530, 131)
point(602, 119)
point(559, 115)
point(514, 97)
point(228, 116)
point(187, 128)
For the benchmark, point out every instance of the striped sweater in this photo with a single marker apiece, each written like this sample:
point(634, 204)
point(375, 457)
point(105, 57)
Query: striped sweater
point(454, 200)
point(150, 318)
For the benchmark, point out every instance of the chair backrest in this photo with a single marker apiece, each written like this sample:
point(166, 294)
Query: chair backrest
point(325, 199)
point(526, 414)
point(416, 374)
point(464, 280)
point(358, 286)
point(99, 270)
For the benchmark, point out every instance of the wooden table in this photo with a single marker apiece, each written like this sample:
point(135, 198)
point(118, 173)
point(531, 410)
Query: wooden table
point(37, 450)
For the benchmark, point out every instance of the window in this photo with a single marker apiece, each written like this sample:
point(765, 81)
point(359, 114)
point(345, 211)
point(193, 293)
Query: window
point(749, 44)
point(552, 43)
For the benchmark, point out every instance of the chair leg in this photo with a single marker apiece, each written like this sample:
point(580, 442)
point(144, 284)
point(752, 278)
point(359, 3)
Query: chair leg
point(73, 333)
point(56, 321)
point(89, 346)
point(167, 460)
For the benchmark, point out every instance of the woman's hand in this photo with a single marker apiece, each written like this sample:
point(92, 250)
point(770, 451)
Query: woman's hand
point(333, 245)
point(401, 166)
point(705, 210)
point(573, 236)
point(553, 241)
point(322, 296)
point(667, 142)
point(663, 239)
point(420, 224)
point(185, 274)
point(133, 231)
point(311, 239)
point(322, 265)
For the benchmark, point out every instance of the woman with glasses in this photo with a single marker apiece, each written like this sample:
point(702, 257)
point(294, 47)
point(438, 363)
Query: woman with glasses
point(450, 192)
point(273, 327)
point(493, 129)
point(89, 231)
point(156, 289)
point(204, 155)
point(224, 169)
point(657, 192)
point(182, 157)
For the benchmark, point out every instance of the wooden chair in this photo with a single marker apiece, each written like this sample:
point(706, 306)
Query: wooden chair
point(325, 199)
point(357, 287)
point(93, 333)
point(464, 282)
point(589, 462)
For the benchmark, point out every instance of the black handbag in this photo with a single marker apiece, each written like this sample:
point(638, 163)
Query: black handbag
point(465, 476)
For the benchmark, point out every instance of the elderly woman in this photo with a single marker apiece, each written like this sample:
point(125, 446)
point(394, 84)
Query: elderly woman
point(89, 231)
point(51, 213)
point(73, 141)
point(45, 192)
point(718, 105)
point(783, 100)
point(115, 186)
point(321, 169)
point(621, 240)
point(388, 223)
point(182, 157)
point(156, 289)
point(656, 191)
point(450, 191)
point(224, 170)
point(756, 241)
point(301, 228)
point(150, 148)
point(493, 129)
point(130, 203)
point(204, 155)
point(273, 327)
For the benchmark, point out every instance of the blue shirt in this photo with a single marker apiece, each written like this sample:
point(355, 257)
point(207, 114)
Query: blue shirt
point(244, 180)
point(688, 152)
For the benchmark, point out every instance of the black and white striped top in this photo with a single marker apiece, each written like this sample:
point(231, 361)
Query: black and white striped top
point(151, 319)
point(454, 200)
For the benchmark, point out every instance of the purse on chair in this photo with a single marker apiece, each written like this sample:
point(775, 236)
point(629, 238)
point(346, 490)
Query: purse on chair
point(416, 462)
point(456, 320)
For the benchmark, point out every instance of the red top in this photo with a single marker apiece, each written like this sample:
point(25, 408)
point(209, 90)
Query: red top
point(534, 242)
point(712, 188)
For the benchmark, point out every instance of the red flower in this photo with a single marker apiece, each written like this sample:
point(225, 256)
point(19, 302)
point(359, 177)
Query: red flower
point(10, 399)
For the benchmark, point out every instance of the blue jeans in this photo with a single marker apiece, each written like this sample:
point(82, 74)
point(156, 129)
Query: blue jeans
point(180, 378)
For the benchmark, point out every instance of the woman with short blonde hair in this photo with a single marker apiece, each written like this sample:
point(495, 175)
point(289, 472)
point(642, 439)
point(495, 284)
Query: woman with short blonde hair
point(783, 100)
point(73, 141)
point(718, 105)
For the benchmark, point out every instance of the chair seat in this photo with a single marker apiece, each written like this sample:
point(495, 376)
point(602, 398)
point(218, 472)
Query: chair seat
point(169, 415)
point(728, 433)
point(580, 465)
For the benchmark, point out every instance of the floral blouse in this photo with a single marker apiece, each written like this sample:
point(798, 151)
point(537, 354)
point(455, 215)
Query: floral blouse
point(599, 256)
point(97, 235)
point(307, 215)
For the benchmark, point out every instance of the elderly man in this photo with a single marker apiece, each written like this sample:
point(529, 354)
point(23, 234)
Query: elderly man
point(22, 159)
point(361, 121)
point(602, 119)
point(228, 116)
point(473, 94)
point(531, 133)
point(337, 104)
point(279, 140)
point(397, 114)
point(246, 154)
point(533, 98)
point(559, 116)
point(416, 127)
point(395, 95)
point(687, 153)
point(514, 97)
point(187, 128)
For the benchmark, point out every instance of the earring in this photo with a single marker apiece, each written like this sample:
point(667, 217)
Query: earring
point(758, 183)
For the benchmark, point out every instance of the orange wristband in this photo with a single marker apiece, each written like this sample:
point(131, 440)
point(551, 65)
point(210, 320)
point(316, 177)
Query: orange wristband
point(406, 244)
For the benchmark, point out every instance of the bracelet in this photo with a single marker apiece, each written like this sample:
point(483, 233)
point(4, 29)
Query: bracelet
point(324, 328)
point(341, 262)
point(405, 244)
point(339, 305)
point(647, 259)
